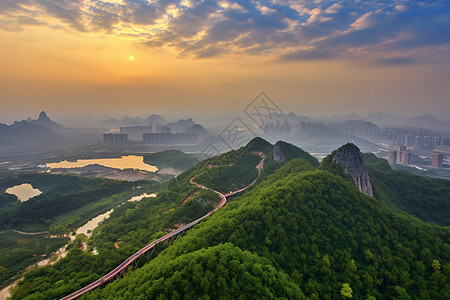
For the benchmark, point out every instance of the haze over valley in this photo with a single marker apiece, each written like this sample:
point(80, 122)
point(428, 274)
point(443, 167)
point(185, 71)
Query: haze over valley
point(224, 149)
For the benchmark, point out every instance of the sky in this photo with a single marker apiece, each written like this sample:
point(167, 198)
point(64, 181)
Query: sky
point(136, 57)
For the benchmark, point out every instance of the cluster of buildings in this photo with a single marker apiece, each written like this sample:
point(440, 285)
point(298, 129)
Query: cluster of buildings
point(135, 133)
point(425, 141)
point(277, 129)
point(400, 156)
point(163, 135)
point(403, 156)
point(437, 160)
point(440, 155)
point(419, 138)
point(358, 128)
point(115, 138)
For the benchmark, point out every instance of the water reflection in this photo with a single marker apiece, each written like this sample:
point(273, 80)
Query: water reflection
point(87, 228)
point(23, 191)
point(125, 162)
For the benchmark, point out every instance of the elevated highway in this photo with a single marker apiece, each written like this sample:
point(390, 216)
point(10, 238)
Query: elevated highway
point(119, 271)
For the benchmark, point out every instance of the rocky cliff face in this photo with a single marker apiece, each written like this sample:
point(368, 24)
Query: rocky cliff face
point(351, 159)
point(278, 153)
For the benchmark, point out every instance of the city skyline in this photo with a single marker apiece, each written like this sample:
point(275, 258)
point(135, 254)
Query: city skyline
point(188, 57)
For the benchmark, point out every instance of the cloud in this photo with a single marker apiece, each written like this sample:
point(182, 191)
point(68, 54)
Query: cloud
point(70, 12)
point(401, 7)
point(24, 20)
point(13, 6)
point(334, 9)
point(364, 21)
point(377, 29)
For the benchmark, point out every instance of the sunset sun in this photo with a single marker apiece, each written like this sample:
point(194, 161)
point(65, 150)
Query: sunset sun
point(224, 149)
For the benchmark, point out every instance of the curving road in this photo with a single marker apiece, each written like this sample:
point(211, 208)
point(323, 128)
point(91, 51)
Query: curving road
point(126, 263)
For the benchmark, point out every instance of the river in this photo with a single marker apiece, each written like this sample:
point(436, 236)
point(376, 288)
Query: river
point(85, 229)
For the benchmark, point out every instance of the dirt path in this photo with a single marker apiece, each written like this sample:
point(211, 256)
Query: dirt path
point(4, 293)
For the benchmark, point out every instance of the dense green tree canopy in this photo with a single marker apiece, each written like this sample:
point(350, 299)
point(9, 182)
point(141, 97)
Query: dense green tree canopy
point(299, 233)
point(220, 272)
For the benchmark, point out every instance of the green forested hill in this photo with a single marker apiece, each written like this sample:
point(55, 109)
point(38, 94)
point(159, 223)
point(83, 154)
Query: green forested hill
point(291, 152)
point(61, 194)
point(133, 225)
point(318, 229)
point(300, 233)
point(235, 169)
point(67, 202)
point(130, 227)
point(423, 197)
point(220, 272)
point(171, 159)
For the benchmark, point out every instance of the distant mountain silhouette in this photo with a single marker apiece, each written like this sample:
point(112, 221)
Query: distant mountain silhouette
point(423, 121)
point(130, 121)
point(45, 121)
point(25, 133)
point(181, 125)
point(385, 119)
point(137, 121)
point(156, 120)
point(291, 118)
point(428, 121)
point(198, 130)
point(351, 116)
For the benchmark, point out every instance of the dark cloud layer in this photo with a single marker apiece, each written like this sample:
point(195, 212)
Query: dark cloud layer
point(390, 32)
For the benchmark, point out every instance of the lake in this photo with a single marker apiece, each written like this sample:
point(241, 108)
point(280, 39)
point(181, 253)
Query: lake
point(124, 162)
point(87, 228)
point(23, 191)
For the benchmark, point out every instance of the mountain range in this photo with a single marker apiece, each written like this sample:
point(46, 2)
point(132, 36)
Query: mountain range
point(298, 230)
point(155, 119)
point(44, 121)
point(42, 131)
point(379, 119)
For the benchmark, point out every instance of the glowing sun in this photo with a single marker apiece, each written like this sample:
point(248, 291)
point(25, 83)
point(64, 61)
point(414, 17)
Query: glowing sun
point(131, 58)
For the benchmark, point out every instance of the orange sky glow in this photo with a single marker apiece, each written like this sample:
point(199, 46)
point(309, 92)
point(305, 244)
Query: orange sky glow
point(74, 57)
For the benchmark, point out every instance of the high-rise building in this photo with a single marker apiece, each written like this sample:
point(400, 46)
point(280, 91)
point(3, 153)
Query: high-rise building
point(427, 143)
point(400, 139)
point(135, 132)
point(115, 138)
point(419, 142)
point(277, 129)
point(444, 149)
point(392, 157)
point(437, 159)
point(404, 156)
point(436, 141)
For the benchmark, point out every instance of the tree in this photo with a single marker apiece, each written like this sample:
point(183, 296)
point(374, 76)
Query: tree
point(436, 265)
point(350, 268)
point(401, 293)
point(346, 291)
point(2, 270)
